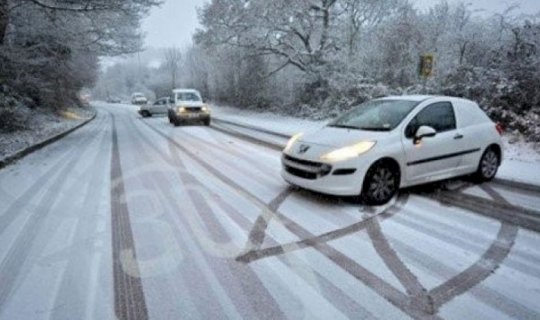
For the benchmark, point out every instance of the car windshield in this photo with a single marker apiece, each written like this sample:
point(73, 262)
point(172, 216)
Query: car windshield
point(376, 115)
point(187, 96)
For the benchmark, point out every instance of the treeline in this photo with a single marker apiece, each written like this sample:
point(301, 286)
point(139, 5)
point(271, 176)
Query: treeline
point(319, 57)
point(49, 49)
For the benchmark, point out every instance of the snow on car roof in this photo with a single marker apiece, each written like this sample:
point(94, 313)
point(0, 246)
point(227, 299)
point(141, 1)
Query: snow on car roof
point(410, 97)
point(420, 98)
point(184, 90)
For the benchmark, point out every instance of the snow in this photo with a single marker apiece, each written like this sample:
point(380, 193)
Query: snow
point(266, 120)
point(521, 160)
point(41, 126)
point(193, 203)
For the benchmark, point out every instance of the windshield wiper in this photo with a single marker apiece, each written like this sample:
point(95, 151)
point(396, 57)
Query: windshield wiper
point(375, 129)
point(343, 126)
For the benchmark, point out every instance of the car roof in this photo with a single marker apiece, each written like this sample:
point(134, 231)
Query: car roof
point(409, 97)
point(185, 90)
point(420, 98)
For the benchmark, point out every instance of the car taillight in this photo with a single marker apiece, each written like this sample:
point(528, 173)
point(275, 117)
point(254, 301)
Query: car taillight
point(500, 128)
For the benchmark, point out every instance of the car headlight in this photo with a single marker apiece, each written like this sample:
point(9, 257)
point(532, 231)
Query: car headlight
point(292, 141)
point(348, 152)
point(181, 109)
point(205, 109)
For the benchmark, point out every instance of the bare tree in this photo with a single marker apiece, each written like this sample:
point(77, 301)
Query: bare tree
point(297, 33)
point(364, 14)
point(173, 58)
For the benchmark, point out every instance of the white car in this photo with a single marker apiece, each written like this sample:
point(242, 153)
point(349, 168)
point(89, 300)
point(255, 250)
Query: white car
point(187, 105)
point(395, 142)
point(160, 106)
point(138, 99)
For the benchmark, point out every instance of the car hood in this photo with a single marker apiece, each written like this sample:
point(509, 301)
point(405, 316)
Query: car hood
point(190, 104)
point(340, 137)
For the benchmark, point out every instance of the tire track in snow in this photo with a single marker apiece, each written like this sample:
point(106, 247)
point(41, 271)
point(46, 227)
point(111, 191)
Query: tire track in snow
point(486, 265)
point(129, 300)
point(247, 288)
point(85, 231)
point(13, 211)
point(12, 265)
point(394, 296)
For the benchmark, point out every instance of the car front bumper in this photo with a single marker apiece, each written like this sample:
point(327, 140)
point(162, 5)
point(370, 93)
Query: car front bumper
point(192, 116)
point(340, 179)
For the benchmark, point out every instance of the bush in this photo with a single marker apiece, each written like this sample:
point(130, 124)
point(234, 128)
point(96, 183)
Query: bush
point(11, 116)
point(508, 96)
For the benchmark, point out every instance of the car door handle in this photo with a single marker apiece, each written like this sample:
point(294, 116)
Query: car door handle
point(458, 136)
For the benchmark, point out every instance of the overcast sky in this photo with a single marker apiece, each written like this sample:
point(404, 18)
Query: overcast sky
point(174, 23)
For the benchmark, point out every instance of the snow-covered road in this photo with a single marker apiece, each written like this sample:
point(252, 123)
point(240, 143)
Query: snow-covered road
point(133, 218)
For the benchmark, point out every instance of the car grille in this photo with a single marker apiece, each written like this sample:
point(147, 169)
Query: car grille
point(305, 169)
point(193, 109)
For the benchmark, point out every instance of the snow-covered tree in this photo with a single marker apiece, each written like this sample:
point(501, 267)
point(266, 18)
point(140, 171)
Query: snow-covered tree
point(49, 48)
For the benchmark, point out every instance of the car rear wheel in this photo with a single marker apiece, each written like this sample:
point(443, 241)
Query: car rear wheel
point(381, 183)
point(488, 166)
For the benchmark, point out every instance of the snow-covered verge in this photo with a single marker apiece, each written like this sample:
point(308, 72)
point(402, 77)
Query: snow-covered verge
point(40, 125)
point(521, 163)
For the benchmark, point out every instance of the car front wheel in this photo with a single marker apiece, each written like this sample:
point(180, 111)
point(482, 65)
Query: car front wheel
point(145, 114)
point(488, 166)
point(381, 183)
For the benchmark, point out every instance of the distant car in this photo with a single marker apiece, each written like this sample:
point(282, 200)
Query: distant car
point(85, 100)
point(160, 106)
point(138, 99)
point(186, 105)
point(114, 100)
point(395, 142)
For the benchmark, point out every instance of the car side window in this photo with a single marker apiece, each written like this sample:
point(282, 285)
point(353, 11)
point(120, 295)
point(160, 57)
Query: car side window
point(440, 116)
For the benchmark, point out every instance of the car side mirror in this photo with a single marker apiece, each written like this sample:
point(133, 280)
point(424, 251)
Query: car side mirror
point(424, 132)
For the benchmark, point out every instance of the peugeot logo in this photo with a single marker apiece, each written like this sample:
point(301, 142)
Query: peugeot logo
point(303, 149)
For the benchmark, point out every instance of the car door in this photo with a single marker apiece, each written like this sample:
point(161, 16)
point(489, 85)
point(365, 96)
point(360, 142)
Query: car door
point(154, 107)
point(162, 108)
point(432, 158)
point(158, 106)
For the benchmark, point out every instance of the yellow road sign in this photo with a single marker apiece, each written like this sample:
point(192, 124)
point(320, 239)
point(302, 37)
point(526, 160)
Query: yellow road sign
point(426, 65)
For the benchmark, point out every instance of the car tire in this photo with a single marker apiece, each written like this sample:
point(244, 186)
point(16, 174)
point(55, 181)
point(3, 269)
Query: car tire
point(207, 122)
point(176, 122)
point(488, 165)
point(146, 114)
point(381, 183)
